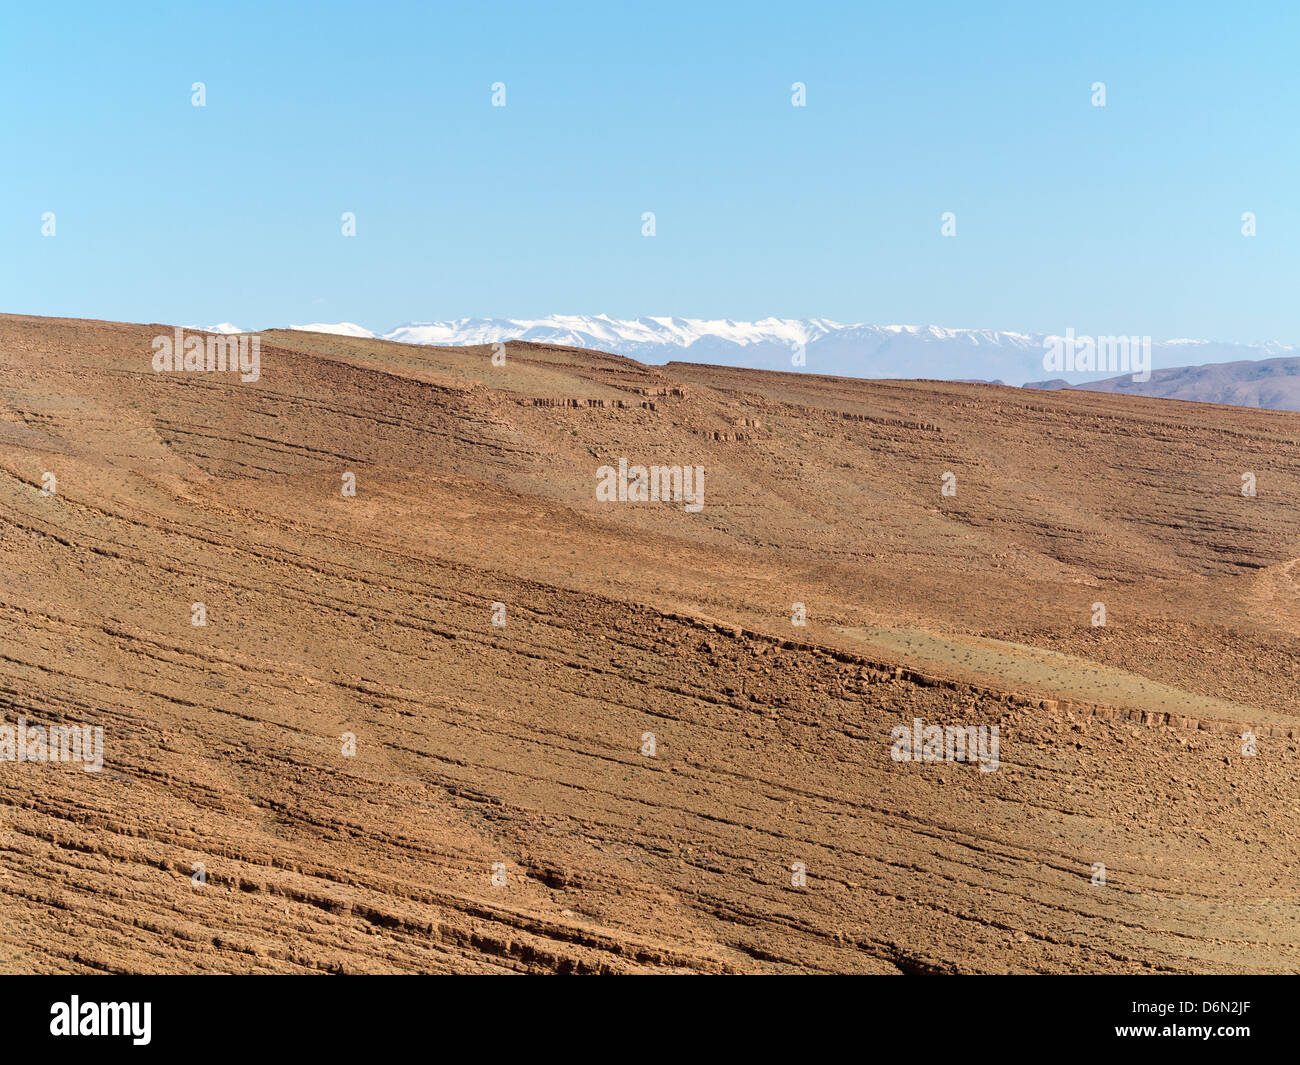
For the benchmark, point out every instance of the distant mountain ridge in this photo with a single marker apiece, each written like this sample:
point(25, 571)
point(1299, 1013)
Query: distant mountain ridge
point(1271, 384)
point(847, 350)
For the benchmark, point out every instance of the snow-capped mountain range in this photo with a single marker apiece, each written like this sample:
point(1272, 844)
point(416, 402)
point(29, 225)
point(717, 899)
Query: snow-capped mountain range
point(827, 347)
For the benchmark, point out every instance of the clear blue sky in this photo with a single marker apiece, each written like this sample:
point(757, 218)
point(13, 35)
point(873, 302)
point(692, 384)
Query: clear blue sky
point(1117, 220)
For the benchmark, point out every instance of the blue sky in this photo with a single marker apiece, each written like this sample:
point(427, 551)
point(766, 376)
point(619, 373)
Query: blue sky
point(1123, 219)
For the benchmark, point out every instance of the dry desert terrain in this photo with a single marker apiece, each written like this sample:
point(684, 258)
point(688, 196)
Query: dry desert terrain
point(354, 767)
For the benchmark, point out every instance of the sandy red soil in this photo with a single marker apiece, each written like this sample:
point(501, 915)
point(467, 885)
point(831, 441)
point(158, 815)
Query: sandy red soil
point(514, 753)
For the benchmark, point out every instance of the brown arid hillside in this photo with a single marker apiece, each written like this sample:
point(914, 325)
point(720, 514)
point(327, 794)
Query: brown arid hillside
point(354, 767)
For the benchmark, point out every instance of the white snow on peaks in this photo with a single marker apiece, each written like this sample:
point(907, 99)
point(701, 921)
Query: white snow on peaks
point(825, 346)
point(811, 345)
point(344, 329)
point(595, 331)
